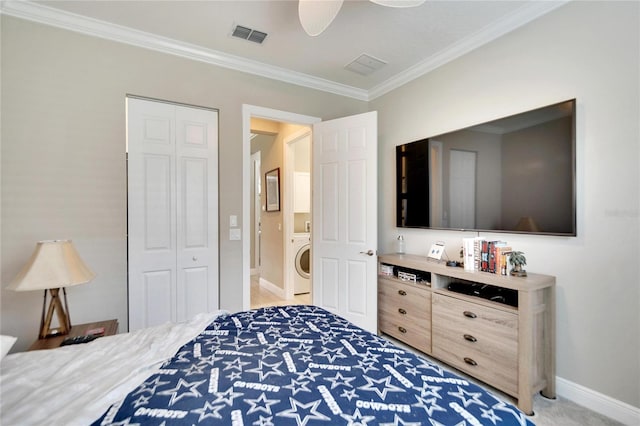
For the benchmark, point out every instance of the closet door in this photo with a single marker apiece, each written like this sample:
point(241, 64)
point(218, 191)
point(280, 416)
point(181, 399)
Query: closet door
point(172, 212)
point(197, 213)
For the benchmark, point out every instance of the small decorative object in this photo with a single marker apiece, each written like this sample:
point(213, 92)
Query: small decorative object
point(272, 185)
point(436, 250)
point(400, 248)
point(517, 260)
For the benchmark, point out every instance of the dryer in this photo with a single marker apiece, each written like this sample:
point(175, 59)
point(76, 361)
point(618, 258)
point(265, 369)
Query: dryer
point(302, 263)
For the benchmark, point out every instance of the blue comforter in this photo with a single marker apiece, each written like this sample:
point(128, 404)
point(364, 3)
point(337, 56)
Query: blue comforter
point(302, 365)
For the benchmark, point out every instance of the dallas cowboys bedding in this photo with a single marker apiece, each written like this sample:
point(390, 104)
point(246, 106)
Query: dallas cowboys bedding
point(302, 365)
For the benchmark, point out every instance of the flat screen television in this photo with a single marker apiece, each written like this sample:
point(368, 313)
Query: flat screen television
point(515, 174)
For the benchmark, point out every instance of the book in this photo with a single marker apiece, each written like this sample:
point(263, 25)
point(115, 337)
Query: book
point(468, 254)
point(491, 259)
point(477, 247)
point(502, 259)
point(491, 256)
point(484, 256)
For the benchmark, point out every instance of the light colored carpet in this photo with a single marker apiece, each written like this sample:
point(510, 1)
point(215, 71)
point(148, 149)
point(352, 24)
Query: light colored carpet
point(562, 412)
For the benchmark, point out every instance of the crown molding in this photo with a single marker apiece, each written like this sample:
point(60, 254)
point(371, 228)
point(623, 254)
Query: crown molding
point(515, 20)
point(96, 28)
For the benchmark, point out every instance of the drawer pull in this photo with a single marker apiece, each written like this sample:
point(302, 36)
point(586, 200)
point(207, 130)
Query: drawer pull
point(402, 292)
point(470, 338)
point(402, 330)
point(402, 311)
point(469, 314)
point(470, 361)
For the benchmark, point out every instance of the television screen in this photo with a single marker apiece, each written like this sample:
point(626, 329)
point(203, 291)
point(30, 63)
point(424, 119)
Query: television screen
point(514, 174)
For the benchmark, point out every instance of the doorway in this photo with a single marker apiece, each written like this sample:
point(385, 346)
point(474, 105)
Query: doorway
point(344, 234)
point(277, 237)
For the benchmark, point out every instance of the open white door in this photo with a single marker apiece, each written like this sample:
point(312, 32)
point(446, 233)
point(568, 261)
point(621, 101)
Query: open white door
point(344, 232)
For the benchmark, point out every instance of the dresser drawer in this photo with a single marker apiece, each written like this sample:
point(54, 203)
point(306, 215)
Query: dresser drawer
point(405, 313)
point(413, 333)
point(477, 339)
point(415, 300)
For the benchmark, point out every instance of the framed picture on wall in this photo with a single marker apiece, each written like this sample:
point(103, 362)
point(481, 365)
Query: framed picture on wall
point(272, 188)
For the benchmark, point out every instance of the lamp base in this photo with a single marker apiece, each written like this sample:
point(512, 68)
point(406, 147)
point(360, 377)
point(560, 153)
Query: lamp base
point(55, 304)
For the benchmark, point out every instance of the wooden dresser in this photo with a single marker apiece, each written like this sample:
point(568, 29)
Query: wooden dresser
point(510, 348)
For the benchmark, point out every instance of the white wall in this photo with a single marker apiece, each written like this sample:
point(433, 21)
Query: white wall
point(63, 156)
point(584, 50)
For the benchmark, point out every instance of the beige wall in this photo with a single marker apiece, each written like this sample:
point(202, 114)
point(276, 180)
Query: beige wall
point(63, 156)
point(271, 222)
point(583, 50)
point(260, 143)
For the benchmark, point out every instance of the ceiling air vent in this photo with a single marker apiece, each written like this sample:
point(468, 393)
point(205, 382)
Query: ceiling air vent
point(249, 34)
point(365, 64)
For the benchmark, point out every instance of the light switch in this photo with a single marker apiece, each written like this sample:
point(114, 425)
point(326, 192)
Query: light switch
point(233, 221)
point(234, 234)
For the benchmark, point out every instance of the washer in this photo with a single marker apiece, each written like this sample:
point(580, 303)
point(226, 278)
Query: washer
point(302, 262)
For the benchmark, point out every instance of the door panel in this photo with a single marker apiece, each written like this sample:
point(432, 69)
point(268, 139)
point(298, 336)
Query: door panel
point(157, 203)
point(157, 301)
point(356, 202)
point(329, 208)
point(197, 210)
point(330, 289)
point(191, 290)
point(194, 190)
point(356, 287)
point(151, 216)
point(345, 230)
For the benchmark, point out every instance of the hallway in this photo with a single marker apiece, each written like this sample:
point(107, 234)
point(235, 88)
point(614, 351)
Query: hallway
point(261, 297)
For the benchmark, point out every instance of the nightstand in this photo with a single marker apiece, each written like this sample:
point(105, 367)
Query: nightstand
point(110, 328)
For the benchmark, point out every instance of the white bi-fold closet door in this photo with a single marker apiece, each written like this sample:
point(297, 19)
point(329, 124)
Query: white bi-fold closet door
point(172, 211)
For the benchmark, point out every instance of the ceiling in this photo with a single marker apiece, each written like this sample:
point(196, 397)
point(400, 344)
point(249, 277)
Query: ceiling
point(412, 41)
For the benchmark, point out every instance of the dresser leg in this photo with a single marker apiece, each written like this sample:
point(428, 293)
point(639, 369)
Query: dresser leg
point(526, 405)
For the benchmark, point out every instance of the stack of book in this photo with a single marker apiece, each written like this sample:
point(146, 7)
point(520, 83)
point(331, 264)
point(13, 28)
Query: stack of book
point(486, 255)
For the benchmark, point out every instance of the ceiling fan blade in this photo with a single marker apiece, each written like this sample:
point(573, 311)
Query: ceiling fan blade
point(316, 15)
point(398, 3)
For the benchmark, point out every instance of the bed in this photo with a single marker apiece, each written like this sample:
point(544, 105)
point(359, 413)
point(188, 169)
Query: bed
point(291, 365)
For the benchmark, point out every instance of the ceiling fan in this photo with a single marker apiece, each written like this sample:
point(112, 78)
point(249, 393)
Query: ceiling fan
point(316, 15)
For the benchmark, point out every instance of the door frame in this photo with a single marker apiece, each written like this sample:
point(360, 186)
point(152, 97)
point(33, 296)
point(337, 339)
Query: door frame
point(256, 160)
point(249, 112)
point(288, 214)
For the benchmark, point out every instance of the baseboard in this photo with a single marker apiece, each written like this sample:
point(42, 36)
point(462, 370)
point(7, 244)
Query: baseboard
point(268, 285)
point(600, 403)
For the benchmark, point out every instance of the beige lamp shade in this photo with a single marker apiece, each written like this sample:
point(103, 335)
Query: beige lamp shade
point(53, 264)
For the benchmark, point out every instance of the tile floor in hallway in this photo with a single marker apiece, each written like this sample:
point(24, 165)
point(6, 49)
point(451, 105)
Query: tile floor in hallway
point(261, 297)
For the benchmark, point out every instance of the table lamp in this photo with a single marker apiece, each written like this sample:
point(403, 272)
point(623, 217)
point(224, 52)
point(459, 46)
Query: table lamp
point(53, 265)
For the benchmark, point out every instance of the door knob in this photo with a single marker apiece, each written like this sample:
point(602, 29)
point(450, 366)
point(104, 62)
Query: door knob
point(368, 252)
point(194, 258)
